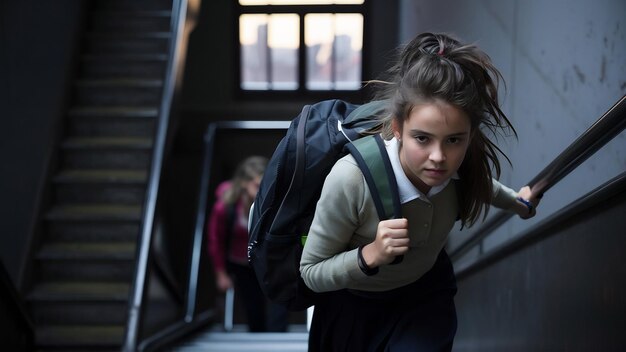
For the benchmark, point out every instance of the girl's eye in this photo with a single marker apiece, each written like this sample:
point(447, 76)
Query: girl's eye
point(453, 140)
point(421, 139)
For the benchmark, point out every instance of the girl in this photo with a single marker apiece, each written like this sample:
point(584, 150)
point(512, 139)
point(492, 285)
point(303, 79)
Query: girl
point(228, 241)
point(441, 97)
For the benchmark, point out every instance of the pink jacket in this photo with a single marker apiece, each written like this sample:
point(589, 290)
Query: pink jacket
point(217, 236)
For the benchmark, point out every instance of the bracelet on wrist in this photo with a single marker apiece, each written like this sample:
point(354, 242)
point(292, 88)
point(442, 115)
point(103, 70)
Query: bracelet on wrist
point(363, 265)
point(527, 203)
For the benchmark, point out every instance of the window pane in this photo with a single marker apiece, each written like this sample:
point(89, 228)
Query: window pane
point(284, 40)
point(254, 51)
point(299, 2)
point(318, 37)
point(334, 50)
point(348, 50)
point(269, 51)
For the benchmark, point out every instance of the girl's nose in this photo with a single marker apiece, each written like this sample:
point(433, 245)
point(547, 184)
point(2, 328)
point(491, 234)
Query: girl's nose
point(437, 155)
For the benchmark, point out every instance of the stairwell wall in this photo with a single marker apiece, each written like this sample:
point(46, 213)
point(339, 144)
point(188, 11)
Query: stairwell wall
point(38, 46)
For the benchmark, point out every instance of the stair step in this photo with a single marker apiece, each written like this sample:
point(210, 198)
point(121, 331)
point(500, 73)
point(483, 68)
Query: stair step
point(131, 14)
point(81, 303)
point(140, 143)
point(98, 44)
point(139, 5)
point(245, 341)
point(119, 83)
point(88, 251)
point(79, 270)
point(80, 336)
point(88, 176)
point(106, 152)
point(74, 271)
point(124, 65)
point(101, 158)
point(99, 193)
point(92, 231)
point(80, 291)
point(79, 312)
point(136, 21)
point(95, 212)
point(110, 112)
point(127, 58)
point(128, 35)
point(100, 186)
point(118, 91)
point(97, 121)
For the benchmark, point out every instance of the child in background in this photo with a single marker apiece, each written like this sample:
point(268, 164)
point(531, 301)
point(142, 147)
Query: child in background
point(228, 242)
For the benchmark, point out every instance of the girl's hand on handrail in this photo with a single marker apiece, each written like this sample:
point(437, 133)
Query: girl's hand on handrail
point(527, 202)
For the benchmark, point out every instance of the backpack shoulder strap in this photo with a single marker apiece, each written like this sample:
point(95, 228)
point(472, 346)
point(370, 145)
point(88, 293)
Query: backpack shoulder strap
point(373, 160)
point(371, 156)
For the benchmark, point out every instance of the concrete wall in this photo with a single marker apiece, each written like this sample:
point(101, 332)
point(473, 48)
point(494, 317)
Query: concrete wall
point(37, 48)
point(563, 62)
point(564, 290)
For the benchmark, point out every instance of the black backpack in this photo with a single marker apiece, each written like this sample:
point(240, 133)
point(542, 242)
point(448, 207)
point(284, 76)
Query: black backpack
point(285, 204)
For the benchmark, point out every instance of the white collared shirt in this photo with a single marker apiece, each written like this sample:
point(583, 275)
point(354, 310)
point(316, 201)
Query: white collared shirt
point(407, 190)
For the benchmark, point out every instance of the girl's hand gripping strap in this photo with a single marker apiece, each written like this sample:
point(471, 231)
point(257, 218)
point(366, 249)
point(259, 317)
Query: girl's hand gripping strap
point(371, 156)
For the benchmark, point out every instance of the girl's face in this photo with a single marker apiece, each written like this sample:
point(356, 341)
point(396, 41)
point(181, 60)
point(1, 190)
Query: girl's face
point(252, 186)
point(434, 140)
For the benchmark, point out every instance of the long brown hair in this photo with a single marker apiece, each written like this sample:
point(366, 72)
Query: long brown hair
point(438, 67)
point(246, 171)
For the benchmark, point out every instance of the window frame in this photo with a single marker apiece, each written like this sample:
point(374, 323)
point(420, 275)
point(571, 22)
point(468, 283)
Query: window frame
point(301, 11)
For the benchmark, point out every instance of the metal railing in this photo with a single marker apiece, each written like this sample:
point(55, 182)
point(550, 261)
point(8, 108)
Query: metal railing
point(597, 197)
point(193, 319)
point(179, 12)
point(205, 178)
point(609, 125)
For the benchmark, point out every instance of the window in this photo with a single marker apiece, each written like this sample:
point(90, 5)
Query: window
point(300, 45)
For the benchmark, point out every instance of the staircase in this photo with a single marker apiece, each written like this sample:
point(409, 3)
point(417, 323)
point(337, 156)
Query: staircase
point(240, 341)
point(84, 265)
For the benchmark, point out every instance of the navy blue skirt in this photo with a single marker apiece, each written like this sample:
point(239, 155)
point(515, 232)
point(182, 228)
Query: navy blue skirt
point(417, 317)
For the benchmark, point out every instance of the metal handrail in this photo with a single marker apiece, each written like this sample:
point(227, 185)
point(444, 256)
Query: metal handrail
point(179, 11)
point(541, 230)
point(609, 125)
point(196, 250)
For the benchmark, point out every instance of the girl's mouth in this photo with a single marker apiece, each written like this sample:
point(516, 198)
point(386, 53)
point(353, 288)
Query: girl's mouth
point(435, 172)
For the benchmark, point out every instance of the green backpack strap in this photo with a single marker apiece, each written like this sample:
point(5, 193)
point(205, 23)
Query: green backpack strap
point(371, 156)
point(373, 160)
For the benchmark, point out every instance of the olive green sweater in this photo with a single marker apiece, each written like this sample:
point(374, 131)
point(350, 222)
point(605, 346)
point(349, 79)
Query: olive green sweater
point(346, 218)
